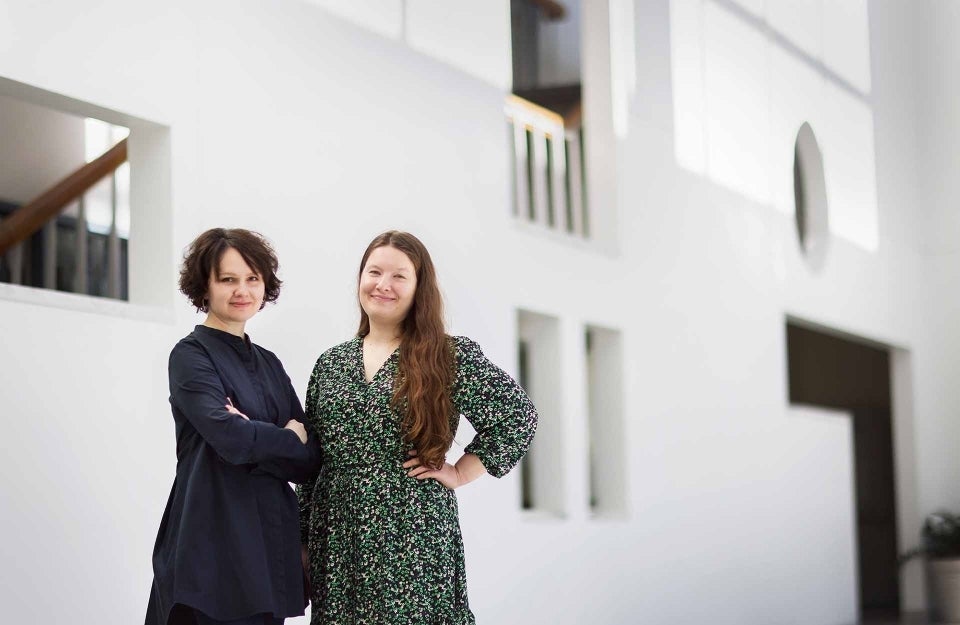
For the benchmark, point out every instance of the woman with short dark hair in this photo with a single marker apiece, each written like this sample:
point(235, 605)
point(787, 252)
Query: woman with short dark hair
point(380, 521)
point(228, 549)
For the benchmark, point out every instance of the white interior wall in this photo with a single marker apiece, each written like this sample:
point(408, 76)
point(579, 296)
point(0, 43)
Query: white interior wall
point(322, 135)
point(38, 147)
point(938, 131)
point(473, 37)
point(559, 48)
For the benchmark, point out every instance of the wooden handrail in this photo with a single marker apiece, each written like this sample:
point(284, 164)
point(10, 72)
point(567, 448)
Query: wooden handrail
point(529, 110)
point(573, 118)
point(561, 99)
point(33, 215)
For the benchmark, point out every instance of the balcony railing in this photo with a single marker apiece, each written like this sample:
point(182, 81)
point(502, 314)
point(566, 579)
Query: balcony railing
point(548, 168)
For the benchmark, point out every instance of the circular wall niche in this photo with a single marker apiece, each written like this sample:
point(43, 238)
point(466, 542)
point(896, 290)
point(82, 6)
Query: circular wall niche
point(810, 197)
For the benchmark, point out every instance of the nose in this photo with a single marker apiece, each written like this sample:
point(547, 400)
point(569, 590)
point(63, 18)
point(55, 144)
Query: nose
point(383, 283)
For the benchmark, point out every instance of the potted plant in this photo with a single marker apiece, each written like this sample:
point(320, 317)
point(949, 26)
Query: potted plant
point(940, 546)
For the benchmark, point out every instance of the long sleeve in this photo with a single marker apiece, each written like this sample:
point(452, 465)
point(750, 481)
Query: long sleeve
point(197, 392)
point(496, 406)
point(296, 470)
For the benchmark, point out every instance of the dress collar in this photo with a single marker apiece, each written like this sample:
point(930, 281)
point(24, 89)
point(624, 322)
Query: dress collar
point(240, 343)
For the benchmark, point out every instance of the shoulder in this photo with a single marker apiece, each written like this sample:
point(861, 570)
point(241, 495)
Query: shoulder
point(189, 352)
point(188, 346)
point(338, 354)
point(465, 349)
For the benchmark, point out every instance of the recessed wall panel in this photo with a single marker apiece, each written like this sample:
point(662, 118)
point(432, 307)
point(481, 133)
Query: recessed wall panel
point(737, 103)
point(689, 105)
point(846, 137)
point(542, 469)
point(846, 41)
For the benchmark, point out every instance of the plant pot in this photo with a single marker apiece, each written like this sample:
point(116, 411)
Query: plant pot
point(943, 589)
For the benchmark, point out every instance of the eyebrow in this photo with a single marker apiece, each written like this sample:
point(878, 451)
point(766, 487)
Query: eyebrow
point(404, 269)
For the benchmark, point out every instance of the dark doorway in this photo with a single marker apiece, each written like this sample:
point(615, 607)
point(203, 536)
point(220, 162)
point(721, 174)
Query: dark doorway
point(842, 373)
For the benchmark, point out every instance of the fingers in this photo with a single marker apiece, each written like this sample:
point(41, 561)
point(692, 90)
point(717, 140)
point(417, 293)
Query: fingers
point(413, 462)
point(419, 469)
point(297, 428)
point(232, 410)
point(419, 472)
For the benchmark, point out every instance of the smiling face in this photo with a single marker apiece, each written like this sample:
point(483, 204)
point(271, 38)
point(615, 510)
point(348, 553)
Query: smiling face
point(387, 286)
point(234, 293)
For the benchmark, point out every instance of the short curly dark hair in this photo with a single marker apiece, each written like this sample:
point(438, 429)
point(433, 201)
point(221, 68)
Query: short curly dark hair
point(203, 256)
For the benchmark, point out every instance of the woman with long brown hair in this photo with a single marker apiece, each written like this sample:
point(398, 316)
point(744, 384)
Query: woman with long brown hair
point(380, 520)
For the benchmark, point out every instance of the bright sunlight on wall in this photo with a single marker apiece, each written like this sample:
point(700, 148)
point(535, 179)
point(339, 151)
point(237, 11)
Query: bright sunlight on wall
point(747, 74)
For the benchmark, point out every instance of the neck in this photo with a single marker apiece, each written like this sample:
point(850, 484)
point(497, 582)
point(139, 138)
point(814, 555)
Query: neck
point(384, 334)
point(215, 322)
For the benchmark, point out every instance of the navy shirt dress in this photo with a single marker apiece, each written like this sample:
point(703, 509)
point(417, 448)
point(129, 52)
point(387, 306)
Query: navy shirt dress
point(229, 540)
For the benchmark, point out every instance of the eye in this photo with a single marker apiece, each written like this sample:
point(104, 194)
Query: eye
point(254, 278)
point(373, 272)
point(226, 279)
point(400, 277)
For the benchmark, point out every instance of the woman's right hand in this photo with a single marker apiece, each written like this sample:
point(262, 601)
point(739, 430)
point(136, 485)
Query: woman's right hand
point(297, 428)
point(233, 410)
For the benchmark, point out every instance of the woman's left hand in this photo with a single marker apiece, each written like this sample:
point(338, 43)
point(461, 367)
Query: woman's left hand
point(448, 475)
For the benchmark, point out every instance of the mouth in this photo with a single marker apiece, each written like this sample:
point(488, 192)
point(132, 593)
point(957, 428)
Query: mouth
point(381, 298)
point(241, 304)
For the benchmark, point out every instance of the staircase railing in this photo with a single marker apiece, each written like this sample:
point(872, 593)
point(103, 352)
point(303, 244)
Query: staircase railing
point(548, 167)
point(42, 212)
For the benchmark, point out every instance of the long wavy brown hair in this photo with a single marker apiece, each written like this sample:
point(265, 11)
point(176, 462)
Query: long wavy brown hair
point(426, 369)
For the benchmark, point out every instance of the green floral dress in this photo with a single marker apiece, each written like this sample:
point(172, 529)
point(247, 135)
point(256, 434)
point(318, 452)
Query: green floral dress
point(385, 548)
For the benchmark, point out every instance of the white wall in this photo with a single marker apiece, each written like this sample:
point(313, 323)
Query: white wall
point(471, 36)
point(559, 48)
point(289, 120)
point(38, 147)
point(935, 204)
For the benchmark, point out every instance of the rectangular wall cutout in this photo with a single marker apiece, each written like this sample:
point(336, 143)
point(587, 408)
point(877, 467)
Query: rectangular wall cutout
point(606, 431)
point(542, 469)
point(97, 181)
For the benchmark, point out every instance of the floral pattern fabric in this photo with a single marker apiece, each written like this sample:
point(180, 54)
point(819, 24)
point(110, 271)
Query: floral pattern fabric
point(385, 548)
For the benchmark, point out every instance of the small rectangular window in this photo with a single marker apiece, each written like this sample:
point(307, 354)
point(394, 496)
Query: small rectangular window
point(542, 475)
point(607, 464)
